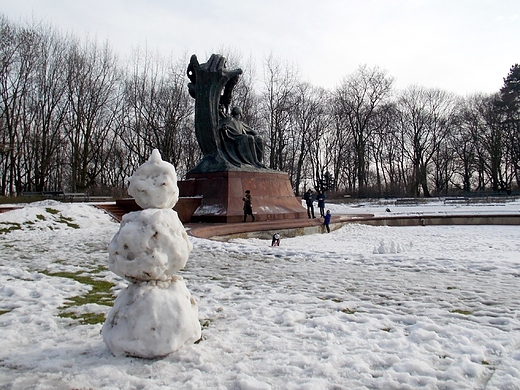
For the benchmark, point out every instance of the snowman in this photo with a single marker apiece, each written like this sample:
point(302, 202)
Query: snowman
point(155, 315)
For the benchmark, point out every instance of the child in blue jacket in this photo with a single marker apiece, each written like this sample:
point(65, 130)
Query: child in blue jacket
point(326, 221)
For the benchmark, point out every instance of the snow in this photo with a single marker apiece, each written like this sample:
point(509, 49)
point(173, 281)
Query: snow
point(364, 307)
point(205, 209)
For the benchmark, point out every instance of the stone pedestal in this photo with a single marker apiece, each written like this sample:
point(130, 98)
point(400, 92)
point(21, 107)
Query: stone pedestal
point(222, 193)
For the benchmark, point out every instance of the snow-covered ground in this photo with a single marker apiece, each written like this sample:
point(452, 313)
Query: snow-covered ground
point(360, 308)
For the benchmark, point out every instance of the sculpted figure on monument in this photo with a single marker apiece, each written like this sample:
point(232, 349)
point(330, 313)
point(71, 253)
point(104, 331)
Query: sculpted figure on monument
point(240, 143)
point(226, 142)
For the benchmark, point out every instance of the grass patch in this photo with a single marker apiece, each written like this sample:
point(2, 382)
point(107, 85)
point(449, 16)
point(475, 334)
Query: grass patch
point(100, 293)
point(4, 312)
point(348, 311)
point(58, 218)
point(68, 222)
point(61, 219)
point(464, 312)
point(7, 227)
point(86, 318)
point(334, 299)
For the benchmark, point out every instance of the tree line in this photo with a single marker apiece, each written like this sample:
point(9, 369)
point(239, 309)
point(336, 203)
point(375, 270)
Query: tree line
point(74, 117)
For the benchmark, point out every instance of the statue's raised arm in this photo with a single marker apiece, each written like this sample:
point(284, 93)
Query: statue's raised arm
point(211, 85)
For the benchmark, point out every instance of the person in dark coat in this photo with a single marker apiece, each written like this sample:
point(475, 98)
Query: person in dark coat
point(248, 206)
point(321, 203)
point(309, 200)
point(326, 221)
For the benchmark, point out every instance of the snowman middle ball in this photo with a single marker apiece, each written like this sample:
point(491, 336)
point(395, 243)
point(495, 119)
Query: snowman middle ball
point(150, 245)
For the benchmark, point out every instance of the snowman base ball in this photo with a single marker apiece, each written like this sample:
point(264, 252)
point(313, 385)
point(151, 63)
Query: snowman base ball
point(152, 319)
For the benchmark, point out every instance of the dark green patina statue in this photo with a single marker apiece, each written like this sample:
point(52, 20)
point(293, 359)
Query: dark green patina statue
point(227, 143)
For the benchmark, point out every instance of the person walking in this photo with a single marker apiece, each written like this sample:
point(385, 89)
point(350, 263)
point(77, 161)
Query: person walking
point(321, 203)
point(309, 200)
point(248, 206)
point(326, 221)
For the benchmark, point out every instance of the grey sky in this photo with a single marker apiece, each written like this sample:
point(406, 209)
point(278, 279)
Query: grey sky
point(462, 46)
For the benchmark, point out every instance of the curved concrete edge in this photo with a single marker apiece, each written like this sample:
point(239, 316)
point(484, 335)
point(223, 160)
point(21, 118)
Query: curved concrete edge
point(265, 229)
point(434, 220)
point(298, 227)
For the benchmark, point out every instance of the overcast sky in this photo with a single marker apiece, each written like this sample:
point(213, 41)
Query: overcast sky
point(462, 46)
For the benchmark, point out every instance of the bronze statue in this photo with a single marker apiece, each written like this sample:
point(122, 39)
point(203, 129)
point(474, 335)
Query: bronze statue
point(227, 143)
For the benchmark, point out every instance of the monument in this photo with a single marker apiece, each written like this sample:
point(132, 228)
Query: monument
point(232, 154)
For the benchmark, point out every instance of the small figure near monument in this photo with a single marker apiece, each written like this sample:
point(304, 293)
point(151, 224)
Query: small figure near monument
point(276, 240)
point(248, 206)
point(326, 221)
point(309, 201)
point(321, 203)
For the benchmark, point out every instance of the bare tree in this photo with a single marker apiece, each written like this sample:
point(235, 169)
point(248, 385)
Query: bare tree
point(490, 141)
point(384, 151)
point(359, 96)
point(158, 110)
point(306, 153)
point(93, 93)
point(277, 102)
point(341, 146)
point(176, 110)
point(69, 119)
point(48, 107)
point(463, 146)
point(426, 116)
point(395, 168)
point(140, 83)
point(18, 46)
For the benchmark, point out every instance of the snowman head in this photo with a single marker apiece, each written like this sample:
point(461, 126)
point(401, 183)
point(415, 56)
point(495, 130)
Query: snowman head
point(154, 184)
